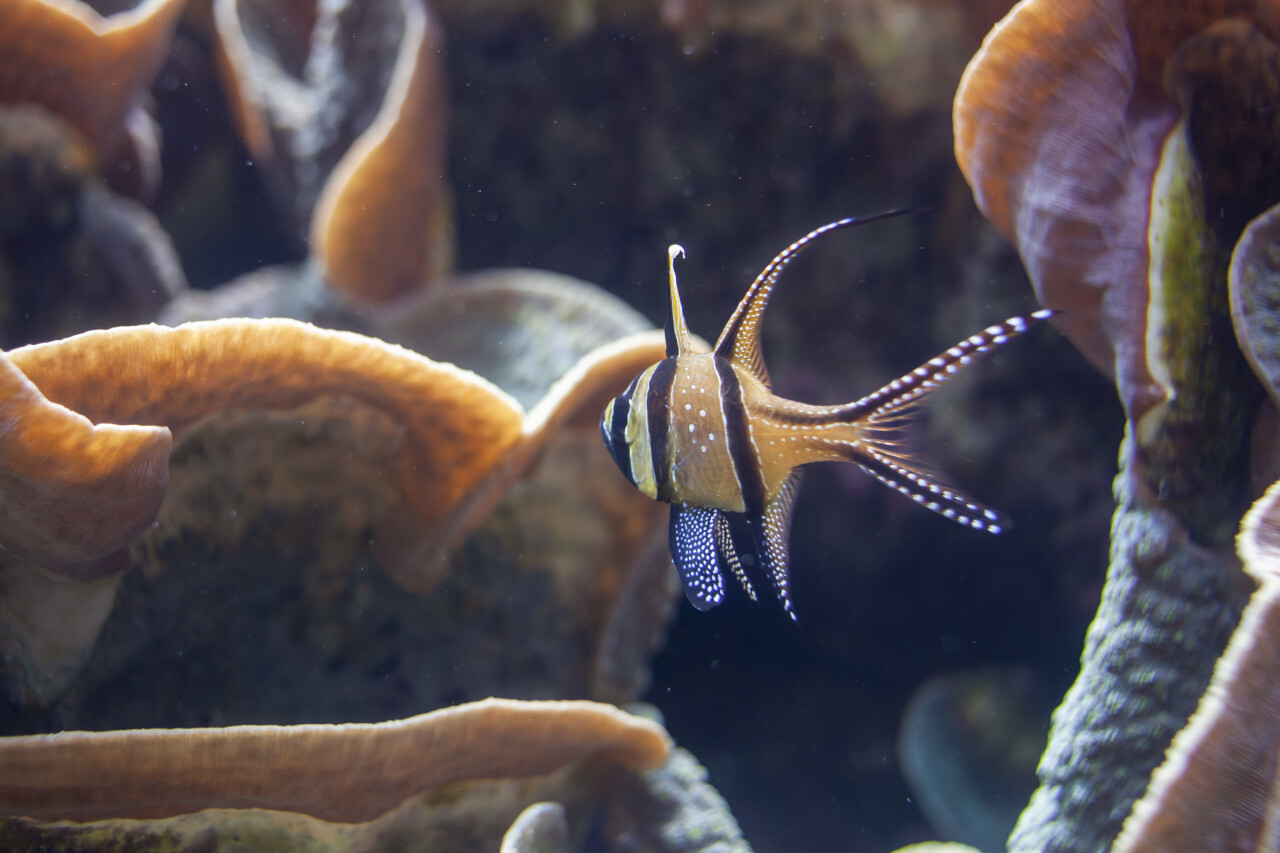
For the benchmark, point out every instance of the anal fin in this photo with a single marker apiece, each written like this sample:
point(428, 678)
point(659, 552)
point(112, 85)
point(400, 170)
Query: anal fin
point(724, 543)
point(771, 530)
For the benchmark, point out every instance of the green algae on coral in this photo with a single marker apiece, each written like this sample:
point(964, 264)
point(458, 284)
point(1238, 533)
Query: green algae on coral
point(1173, 591)
point(1193, 445)
point(1117, 226)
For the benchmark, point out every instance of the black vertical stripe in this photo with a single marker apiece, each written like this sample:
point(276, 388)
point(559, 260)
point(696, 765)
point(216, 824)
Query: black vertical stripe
point(745, 465)
point(618, 437)
point(618, 430)
point(660, 424)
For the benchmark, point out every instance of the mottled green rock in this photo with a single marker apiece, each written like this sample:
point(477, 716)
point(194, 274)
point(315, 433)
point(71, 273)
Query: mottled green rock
point(1174, 589)
point(1166, 613)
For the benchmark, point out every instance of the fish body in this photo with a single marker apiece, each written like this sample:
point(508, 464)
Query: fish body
point(704, 433)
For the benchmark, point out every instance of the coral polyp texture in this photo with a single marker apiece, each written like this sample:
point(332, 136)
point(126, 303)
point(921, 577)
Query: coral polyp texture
point(1222, 767)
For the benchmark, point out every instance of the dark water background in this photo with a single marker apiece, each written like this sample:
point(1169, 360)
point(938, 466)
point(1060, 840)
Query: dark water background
point(734, 152)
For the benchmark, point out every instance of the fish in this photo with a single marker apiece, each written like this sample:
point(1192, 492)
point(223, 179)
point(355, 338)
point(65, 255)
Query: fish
point(703, 432)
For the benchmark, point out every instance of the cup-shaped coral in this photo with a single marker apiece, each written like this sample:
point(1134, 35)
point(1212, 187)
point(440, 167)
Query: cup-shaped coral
point(1122, 149)
point(320, 454)
point(580, 774)
point(93, 71)
point(74, 492)
point(346, 112)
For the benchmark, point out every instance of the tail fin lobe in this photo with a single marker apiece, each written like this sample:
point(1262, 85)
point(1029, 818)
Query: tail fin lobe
point(909, 390)
point(927, 490)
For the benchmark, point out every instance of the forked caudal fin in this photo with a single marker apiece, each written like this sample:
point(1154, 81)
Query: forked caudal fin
point(883, 413)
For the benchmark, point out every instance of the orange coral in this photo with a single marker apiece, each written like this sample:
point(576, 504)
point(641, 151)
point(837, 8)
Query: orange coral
point(380, 225)
point(91, 70)
point(349, 773)
point(465, 439)
point(72, 493)
point(1060, 120)
point(412, 451)
point(460, 430)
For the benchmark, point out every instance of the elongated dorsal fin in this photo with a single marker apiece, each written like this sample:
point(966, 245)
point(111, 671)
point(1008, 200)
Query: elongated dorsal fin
point(740, 340)
point(679, 341)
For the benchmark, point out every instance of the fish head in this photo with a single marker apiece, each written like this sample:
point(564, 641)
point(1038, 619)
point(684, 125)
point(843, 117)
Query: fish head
point(625, 429)
point(614, 430)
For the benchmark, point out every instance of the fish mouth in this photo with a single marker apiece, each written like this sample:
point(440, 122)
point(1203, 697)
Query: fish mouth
point(604, 430)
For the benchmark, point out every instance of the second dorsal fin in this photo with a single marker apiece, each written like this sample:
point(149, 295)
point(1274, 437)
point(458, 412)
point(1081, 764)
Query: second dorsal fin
point(739, 342)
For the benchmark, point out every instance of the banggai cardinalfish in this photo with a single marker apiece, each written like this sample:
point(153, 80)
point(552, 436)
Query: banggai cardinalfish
point(703, 432)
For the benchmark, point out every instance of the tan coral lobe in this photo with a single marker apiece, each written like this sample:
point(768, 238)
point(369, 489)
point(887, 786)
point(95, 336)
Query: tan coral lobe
point(353, 142)
point(90, 69)
point(460, 431)
point(1060, 121)
point(381, 226)
point(347, 773)
point(72, 493)
point(465, 440)
point(458, 426)
point(1041, 136)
